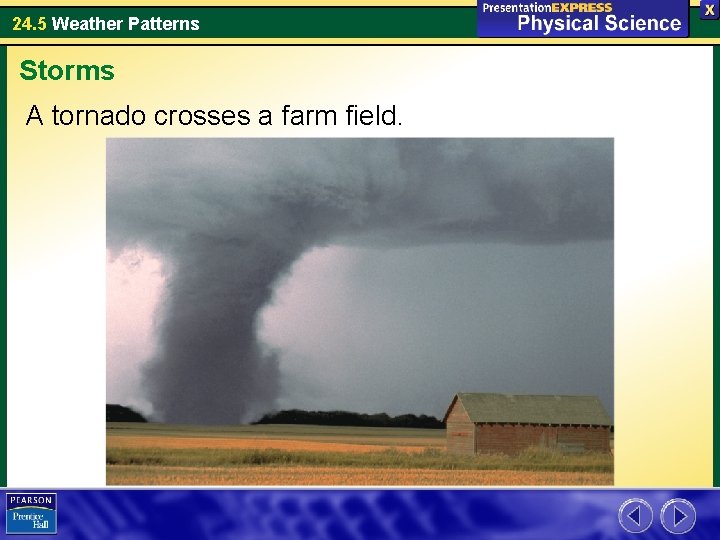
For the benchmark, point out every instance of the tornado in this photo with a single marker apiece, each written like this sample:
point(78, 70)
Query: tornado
point(229, 217)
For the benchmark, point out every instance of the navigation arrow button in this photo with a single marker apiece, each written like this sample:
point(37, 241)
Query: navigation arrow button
point(635, 515)
point(678, 516)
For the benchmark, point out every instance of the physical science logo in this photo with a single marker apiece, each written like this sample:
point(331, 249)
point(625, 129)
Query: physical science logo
point(31, 513)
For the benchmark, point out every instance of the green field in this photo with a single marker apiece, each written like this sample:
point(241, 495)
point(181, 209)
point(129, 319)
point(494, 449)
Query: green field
point(339, 434)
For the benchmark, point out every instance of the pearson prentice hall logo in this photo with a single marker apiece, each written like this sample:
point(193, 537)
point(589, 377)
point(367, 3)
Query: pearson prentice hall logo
point(31, 513)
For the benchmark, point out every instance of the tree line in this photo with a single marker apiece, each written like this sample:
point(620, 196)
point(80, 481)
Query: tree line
point(120, 413)
point(346, 418)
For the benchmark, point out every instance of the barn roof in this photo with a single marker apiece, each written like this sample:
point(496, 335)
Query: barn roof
point(526, 409)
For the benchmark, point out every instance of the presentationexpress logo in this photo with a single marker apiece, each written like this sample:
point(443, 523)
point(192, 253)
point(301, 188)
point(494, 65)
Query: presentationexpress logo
point(547, 18)
point(31, 513)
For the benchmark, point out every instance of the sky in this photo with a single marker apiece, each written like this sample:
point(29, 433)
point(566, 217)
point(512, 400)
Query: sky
point(373, 275)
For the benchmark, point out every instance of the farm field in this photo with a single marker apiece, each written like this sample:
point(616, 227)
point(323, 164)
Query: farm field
point(277, 436)
point(335, 476)
point(158, 454)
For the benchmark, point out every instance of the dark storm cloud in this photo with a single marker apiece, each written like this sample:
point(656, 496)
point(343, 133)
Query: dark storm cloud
point(229, 217)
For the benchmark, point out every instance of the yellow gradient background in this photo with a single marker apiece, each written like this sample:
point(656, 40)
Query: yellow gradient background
point(663, 280)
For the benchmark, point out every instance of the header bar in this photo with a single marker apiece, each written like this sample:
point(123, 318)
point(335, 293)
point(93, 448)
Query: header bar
point(516, 19)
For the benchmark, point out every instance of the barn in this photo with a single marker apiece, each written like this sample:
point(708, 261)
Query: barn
point(509, 423)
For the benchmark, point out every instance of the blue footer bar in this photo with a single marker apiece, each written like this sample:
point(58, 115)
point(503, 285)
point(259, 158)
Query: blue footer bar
point(363, 514)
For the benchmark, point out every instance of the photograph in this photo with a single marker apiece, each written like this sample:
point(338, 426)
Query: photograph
point(360, 311)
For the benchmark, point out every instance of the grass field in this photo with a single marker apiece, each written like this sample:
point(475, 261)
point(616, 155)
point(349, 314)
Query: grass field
point(157, 454)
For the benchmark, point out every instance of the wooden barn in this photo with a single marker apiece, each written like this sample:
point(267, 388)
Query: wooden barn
point(507, 423)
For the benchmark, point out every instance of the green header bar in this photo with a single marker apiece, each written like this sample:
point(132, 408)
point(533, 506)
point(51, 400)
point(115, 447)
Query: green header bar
point(237, 22)
point(700, 28)
point(35, 23)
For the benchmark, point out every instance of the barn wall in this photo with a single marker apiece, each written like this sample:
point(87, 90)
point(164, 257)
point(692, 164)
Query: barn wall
point(513, 438)
point(460, 431)
point(584, 439)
